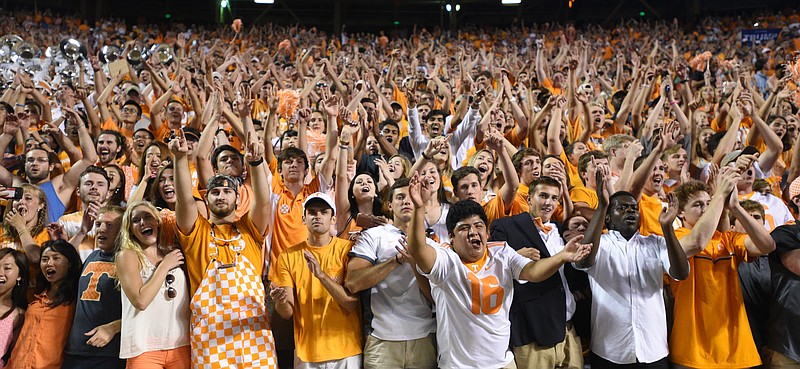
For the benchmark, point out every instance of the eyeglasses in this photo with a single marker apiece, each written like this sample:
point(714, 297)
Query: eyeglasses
point(171, 293)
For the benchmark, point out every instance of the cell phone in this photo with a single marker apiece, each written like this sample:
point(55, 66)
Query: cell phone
point(11, 193)
point(667, 88)
point(364, 221)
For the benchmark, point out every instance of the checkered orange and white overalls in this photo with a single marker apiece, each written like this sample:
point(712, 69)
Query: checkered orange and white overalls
point(230, 327)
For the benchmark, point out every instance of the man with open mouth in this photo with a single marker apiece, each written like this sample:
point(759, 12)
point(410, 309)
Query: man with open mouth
point(626, 271)
point(472, 282)
point(225, 263)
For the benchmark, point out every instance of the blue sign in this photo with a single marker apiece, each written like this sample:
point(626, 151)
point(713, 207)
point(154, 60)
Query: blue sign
point(759, 35)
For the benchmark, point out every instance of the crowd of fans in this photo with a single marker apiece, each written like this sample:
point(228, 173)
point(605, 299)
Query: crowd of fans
point(277, 197)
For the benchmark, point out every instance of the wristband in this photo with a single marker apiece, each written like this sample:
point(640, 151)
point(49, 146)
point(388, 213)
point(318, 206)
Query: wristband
point(256, 163)
point(673, 102)
point(426, 157)
point(397, 259)
point(345, 147)
point(20, 105)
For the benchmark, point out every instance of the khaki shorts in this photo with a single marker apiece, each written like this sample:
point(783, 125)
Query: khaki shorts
point(776, 360)
point(412, 354)
point(351, 362)
point(565, 354)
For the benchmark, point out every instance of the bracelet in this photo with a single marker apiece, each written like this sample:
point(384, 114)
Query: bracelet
point(428, 158)
point(256, 163)
point(397, 259)
point(20, 105)
point(673, 102)
point(345, 147)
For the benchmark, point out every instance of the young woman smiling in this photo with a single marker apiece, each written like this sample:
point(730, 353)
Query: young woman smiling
point(49, 317)
point(155, 299)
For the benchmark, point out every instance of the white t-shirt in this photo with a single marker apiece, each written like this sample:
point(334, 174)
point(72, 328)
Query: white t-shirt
point(400, 311)
point(472, 307)
point(776, 213)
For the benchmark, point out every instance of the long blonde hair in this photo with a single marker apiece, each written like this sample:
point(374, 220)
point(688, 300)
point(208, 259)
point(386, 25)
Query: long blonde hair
point(41, 216)
point(126, 241)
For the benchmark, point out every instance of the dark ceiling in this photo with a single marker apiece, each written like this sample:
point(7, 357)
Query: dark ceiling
point(374, 15)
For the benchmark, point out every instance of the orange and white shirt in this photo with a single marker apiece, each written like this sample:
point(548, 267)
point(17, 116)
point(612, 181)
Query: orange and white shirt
point(776, 213)
point(474, 301)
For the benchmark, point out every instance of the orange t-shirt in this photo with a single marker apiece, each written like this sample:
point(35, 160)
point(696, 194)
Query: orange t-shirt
point(649, 210)
point(711, 328)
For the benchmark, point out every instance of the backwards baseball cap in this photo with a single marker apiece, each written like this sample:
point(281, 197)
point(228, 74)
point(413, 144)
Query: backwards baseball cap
point(223, 180)
point(191, 133)
point(735, 154)
point(318, 197)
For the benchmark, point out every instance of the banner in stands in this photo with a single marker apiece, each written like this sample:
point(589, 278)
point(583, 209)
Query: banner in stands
point(759, 35)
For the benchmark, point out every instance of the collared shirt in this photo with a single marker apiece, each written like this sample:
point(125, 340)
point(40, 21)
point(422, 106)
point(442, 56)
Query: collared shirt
point(399, 310)
point(554, 243)
point(628, 316)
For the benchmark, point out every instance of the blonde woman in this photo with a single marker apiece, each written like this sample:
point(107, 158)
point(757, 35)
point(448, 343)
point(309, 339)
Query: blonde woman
point(155, 299)
point(25, 222)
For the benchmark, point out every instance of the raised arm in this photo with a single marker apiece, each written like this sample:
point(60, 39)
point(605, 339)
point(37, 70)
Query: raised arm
point(703, 230)
point(679, 266)
point(185, 207)
point(495, 141)
point(595, 228)
point(424, 254)
point(759, 241)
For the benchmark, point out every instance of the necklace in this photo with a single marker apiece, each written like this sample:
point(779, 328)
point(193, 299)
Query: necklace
point(236, 243)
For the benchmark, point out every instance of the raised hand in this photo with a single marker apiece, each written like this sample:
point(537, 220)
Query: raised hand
point(178, 146)
point(89, 216)
point(419, 190)
point(602, 193)
point(330, 104)
point(726, 179)
point(254, 151)
point(670, 212)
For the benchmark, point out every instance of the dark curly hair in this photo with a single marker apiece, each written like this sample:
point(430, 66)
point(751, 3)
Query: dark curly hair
point(463, 210)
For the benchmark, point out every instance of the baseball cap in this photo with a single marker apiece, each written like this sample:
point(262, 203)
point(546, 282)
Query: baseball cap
point(733, 155)
point(133, 87)
point(223, 180)
point(320, 196)
point(395, 103)
point(191, 133)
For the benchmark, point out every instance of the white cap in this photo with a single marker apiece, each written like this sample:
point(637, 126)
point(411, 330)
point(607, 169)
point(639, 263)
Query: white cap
point(320, 196)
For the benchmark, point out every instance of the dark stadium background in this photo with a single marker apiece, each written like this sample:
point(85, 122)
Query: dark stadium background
point(374, 15)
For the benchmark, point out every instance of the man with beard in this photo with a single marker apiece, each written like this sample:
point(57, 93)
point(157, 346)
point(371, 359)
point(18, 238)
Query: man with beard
point(626, 268)
point(38, 166)
point(110, 147)
point(224, 261)
point(93, 192)
point(94, 337)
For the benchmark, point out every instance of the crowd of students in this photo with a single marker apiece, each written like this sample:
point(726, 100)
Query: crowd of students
point(273, 197)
